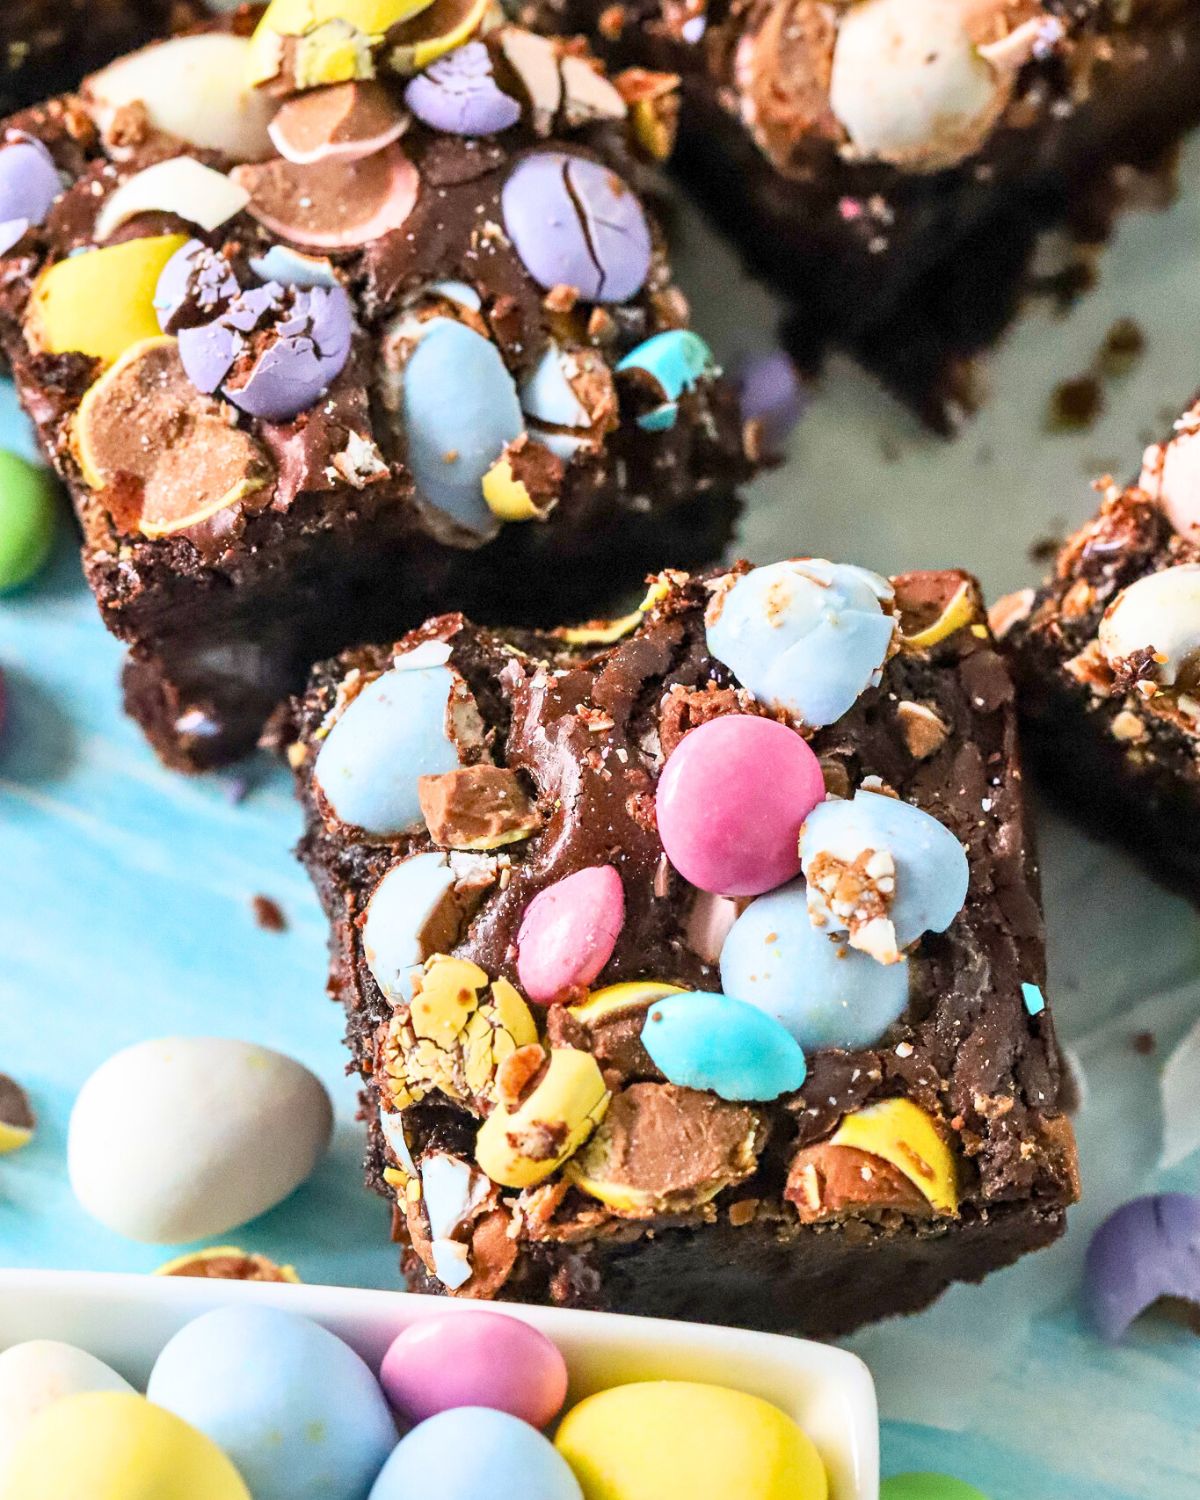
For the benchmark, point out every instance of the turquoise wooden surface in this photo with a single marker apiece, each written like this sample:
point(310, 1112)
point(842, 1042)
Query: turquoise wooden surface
point(125, 904)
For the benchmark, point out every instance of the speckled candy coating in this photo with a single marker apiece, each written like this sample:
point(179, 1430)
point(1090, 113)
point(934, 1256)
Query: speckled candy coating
point(29, 184)
point(707, 1041)
point(459, 94)
point(475, 1359)
point(575, 223)
point(1148, 1249)
point(471, 1452)
point(568, 933)
point(731, 802)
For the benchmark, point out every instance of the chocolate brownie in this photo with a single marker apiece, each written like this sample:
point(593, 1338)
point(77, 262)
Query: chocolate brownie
point(693, 962)
point(315, 361)
point(1105, 654)
point(889, 163)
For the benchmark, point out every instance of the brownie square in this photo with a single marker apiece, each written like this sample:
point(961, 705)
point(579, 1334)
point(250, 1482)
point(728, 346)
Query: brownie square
point(889, 164)
point(1104, 654)
point(428, 353)
point(806, 1084)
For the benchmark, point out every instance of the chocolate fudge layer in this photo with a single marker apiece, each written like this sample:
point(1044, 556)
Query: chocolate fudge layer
point(1106, 654)
point(693, 962)
point(889, 163)
point(321, 342)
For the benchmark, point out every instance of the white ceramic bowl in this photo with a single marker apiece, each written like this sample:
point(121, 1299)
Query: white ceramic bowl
point(125, 1321)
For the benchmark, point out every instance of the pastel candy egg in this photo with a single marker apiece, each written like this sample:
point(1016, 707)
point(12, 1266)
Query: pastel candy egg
point(928, 1487)
point(180, 1138)
point(471, 1452)
point(475, 1359)
point(29, 184)
point(114, 1445)
point(806, 637)
point(564, 1108)
point(38, 1373)
point(1171, 473)
point(930, 871)
point(459, 94)
point(102, 301)
point(672, 363)
point(395, 731)
point(296, 1409)
point(675, 1437)
point(575, 223)
point(27, 520)
point(404, 906)
point(568, 933)
point(715, 1042)
point(459, 410)
point(731, 801)
point(822, 991)
point(1159, 613)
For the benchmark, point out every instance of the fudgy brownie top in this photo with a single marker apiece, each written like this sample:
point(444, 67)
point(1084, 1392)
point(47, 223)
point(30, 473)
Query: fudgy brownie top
point(1118, 623)
point(728, 903)
point(268, 284)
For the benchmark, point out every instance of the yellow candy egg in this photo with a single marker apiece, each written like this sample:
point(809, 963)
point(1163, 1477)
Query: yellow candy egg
point(513, 1147)
point(101, 302)
point(112, 1445)
point(902, 1134)
point(675, 1437)
point(340, 32)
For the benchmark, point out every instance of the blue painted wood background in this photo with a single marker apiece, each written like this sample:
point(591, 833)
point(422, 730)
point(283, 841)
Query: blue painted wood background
point(125, 899)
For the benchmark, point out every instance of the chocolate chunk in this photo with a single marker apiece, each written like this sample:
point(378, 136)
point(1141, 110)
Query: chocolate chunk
point(477, 807)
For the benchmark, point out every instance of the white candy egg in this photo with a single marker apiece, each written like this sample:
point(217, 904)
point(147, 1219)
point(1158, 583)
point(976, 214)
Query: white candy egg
point(38, 1373)
point(1161, 613)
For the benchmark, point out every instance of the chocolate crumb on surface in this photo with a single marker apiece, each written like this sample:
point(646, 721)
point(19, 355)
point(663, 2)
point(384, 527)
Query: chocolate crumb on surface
point(269, 914)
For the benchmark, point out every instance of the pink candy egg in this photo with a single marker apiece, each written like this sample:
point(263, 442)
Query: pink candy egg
point(731, 801)
point(475, 1359)
point(568, 933)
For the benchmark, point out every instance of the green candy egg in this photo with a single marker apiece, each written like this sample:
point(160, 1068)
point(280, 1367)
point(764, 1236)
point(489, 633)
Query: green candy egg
point(27, 519)
point(928, 1487)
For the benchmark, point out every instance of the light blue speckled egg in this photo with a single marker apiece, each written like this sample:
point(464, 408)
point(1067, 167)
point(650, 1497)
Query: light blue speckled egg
point(826, 994)
point(805, 636)
point(676, 360)
point(299, 1413)
point(704, 1041)
point(460, 410)
point(931, 866)
point(399, 909)
point(475, 1453)
point(393, 732)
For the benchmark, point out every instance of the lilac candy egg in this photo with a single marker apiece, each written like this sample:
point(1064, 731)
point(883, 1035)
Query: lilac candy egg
point(474, 1453)
point(196, 285)
point(1147, 1250)
point(568, 933)
point(310, 350)
point(475, 1359)
point(29, 184)
point(825, 993)
point(459, 94)
point(575, 223)
point(772, 395)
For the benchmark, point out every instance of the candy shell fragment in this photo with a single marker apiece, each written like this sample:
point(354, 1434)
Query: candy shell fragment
point(336, 203)
point(29, 184)
point(100, 302)
point(180, 186)
point(28, 520)
point(522, 1147)
point(706, 1041)
point(16, 1117)
point(437, 31)
point(902, 1134)
point(459, 94)
point(669, 364)
point(346, 120)
point(1146, 1252)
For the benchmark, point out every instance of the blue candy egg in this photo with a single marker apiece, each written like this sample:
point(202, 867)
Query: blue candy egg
point(399, 909)
point(931, 866)
point(676, 360)
point(296, 1409)
point(394, 731)
point(460, 410)
point(703, 1041)
point(475, 1453)
point(806, 637)
point(823, 992)
point(559, 418)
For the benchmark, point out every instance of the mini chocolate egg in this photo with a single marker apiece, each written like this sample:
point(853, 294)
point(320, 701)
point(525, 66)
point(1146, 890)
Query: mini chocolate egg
point(907, 1137)
point(332, 41)
point(339, 203)
point(731, 801)
point(1147, 1251)
point(303, 343)
point(29, 184)
point(180, 1138)
point(928, 1487)
point(406, 904)
point(523, 1145)
point(704, 1041)
point(822, 991)
point(475, 1359)
point(289, 268)
point(575, 223)
point(680, 1438)
point(568, 933)
point(459, 94)
point(672, 362)
point(551, 403)
point(807, 637)
point(347, 120)
point(28, 519)
point(114, 1445)
point(908, 868)
point(294, 1407)
point(196, 286)
point(472, 1452)
point(1159, 613)
point(398, 728)
point(459, 410)
point(773, 397)
point(38, 1373)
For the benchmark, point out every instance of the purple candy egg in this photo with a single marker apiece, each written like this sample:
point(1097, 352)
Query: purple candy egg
point(575, 223)
point(1147, 1250)
point(773, 395)
point(311, 344)
point(29, 184)
point(196, 285)
point(459, 95)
